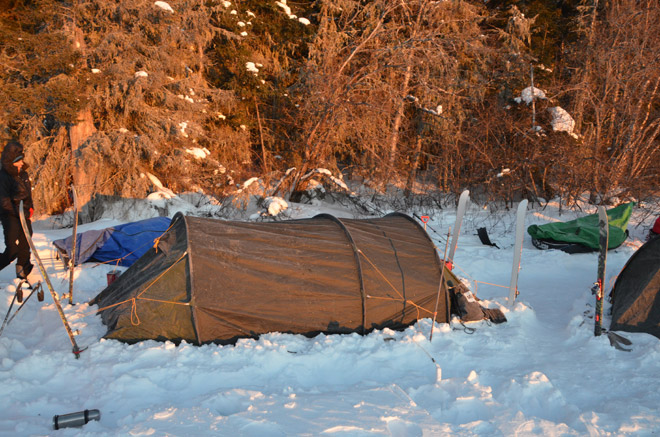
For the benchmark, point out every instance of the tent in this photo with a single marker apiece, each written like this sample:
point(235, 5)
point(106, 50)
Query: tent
point(581, 235)
point(636, 292)
point(214, 281)
point(120, 245)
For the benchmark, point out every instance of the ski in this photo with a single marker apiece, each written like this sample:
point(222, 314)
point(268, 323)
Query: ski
point(18, 296)
point(74, 242)
point(442, 275)
point(599, 286)
point(44, 275)
point(517, 251)
point(460, 211)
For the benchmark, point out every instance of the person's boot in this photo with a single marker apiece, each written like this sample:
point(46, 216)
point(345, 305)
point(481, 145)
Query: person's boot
point(22, 272)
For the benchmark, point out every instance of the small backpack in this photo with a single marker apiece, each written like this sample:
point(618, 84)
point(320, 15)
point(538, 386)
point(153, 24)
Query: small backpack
point(467, 307)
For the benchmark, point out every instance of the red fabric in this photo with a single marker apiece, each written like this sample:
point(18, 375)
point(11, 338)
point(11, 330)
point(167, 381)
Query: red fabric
point(656, 226)
point(31, 213)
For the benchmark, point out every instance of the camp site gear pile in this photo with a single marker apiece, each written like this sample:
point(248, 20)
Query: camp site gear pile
point(209, 280)
point(120, 245)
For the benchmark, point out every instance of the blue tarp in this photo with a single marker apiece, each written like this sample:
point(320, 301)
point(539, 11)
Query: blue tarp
point(119, 245)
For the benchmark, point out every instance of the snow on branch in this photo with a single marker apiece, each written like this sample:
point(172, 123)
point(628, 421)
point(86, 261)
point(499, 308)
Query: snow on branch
point(328, 173)
point(562, 121)
point(164, 6)
point(529, 94)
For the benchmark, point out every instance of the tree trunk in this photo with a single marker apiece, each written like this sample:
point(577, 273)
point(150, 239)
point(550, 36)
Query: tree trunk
point(398, 119)
point(82, 178)
point(413, 168)
point(79, 132)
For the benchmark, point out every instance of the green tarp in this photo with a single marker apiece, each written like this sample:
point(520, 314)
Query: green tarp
point(584, 230)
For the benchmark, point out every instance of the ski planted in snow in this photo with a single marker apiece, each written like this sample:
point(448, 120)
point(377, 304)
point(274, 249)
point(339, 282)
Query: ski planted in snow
point(460, 211)
point(44, 275)
point(74, 243)
point(442, 275)
point(517, 251)
point(617, 341)
point(18, 296)
point(599, 286)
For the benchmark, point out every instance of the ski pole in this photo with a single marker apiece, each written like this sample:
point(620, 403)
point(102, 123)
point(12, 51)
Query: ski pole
point(36, 289)
point(7, 316)
point(44, 275)
point(74, 237)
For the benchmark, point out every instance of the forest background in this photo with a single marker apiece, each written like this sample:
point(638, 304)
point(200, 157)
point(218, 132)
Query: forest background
point(413, 96)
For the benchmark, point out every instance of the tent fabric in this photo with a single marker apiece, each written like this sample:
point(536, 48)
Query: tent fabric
point(656, 226)
point(216, 281)
point(122, 245)
point(636, 292)
point(583, 231)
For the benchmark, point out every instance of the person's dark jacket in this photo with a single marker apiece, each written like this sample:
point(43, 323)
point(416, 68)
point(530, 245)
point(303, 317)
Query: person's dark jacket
point(14, 185)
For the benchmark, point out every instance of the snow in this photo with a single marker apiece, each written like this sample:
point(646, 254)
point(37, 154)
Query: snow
point(562, 120)
point(253, 67)
point(529, 94)
point(161, 191)
point(186, 98)
point(543, 372)
point(198, 152)
point(287, 10)
point(276, 205)
point(164, 6)
point(329, 175)
point(285, 7)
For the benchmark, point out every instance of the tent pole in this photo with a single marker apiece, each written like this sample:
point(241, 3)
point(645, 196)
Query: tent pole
point(356, 254)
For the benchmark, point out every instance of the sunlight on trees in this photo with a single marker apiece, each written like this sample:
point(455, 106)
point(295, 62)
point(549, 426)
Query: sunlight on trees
point(412, 95)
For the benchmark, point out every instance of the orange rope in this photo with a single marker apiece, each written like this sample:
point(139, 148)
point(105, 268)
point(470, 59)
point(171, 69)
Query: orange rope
point(114, 305)
point(134, 312)
point(381, 274)
point(402, 299)
point(157, 239)
point(478, 282)
point(490, 283)
point(135, 319)
point(164, 271)
point(418, 307)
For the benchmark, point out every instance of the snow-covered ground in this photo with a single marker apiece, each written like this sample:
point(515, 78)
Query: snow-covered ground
point(541, 373)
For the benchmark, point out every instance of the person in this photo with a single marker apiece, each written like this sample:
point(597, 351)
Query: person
point(15, 186)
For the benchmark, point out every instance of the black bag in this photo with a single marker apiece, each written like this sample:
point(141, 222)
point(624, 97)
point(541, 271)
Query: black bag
point(467, 306)
point(495, 315)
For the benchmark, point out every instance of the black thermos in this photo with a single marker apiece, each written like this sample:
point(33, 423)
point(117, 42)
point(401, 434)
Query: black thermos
point(75, 419)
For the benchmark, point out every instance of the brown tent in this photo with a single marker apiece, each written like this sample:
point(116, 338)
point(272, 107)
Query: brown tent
point(209, 280)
